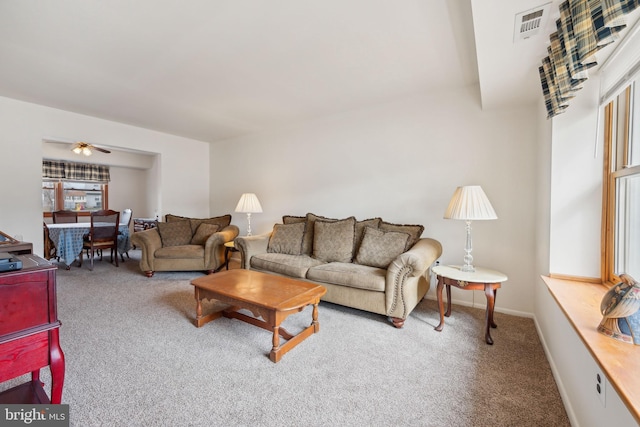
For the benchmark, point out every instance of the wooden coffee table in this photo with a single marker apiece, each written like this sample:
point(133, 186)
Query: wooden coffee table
point(268, 296)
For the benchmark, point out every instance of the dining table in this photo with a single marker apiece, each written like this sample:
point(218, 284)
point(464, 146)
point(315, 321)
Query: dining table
point(69, 238)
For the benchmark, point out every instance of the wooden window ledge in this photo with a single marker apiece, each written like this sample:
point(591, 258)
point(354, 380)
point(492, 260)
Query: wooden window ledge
point(580, 302)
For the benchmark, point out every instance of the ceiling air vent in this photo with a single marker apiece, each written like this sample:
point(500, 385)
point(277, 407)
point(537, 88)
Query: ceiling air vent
point(529, 22)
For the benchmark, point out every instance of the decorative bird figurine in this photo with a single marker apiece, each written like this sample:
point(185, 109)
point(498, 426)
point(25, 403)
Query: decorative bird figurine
point(620, 308)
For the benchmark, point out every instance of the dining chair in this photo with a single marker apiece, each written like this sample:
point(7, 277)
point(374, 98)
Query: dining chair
point(50, 250)
point(60, 217)
point(103, 234)
point(125, 218)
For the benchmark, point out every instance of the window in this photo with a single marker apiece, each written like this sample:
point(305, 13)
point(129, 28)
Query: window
point(74, 186)
point(621, 199)
point(73, 196)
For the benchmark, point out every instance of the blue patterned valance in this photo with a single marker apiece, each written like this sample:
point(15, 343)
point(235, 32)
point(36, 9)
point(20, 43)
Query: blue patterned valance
point(55, 169)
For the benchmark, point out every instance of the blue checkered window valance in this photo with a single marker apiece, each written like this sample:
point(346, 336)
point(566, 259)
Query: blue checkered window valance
point(584, 27)
point(69, 171)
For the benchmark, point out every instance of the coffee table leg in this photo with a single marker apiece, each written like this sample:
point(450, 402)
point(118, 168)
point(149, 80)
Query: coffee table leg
point(198, 308)
point(314, 319)
point(275, 353)
point(200, 319)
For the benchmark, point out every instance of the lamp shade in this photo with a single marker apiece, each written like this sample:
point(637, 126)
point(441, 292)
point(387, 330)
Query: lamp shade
point(249, 203)
point(470, 203)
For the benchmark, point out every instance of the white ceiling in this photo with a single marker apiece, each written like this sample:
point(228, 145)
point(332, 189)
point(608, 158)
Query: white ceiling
point(215, 69)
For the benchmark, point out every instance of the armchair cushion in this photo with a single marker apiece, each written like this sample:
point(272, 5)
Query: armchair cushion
point(175, 233)
point(380, 247)
point(203, 232)
point(180, 252)
point(287, 239)
point(333, 240)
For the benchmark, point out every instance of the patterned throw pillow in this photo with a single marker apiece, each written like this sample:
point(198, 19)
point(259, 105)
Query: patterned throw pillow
point(286, 239)
point(360, 228)
point(333, 240)
point(175, 233)
point(414, 231)
point(307, 243)
point(379, 248)
point(203, 233)
point(221, 221)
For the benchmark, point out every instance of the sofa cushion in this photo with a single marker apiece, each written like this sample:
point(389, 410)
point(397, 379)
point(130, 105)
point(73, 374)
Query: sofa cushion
point(414, 231)
point(180, 252)
point(352, 275)
point(175, 233)
point(380, 247)
point(333, 240)
point(286, 238)
point(360, 227)
point(289, 265)
point(203, 233)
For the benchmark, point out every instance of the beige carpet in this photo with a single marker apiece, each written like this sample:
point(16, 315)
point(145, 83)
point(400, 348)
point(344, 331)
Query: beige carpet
point(134, 358)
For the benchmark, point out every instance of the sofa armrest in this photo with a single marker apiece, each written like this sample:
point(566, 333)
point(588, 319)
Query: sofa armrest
point(251, 245)
point(214, 246)
point(149, 242)
point(404, 274)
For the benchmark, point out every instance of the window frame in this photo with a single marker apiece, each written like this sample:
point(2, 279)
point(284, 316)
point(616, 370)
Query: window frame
point(58, 188)
point(618, 123)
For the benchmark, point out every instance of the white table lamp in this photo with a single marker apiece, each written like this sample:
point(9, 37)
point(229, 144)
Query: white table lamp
point(249, 204)
point(469, 203)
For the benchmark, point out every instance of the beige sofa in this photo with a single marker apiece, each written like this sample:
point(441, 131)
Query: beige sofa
point(370, 265)
point(185, 244)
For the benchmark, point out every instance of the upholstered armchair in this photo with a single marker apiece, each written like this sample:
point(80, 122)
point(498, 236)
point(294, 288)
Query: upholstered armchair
point(185, 244)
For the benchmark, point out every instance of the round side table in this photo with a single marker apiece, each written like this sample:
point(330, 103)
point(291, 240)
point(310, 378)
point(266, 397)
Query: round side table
point(482, 279)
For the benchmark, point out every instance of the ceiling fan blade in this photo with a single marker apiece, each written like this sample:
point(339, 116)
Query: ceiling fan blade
point(100, 149)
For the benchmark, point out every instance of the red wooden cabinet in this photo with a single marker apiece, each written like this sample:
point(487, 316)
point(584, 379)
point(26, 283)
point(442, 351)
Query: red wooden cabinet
point(29, 331)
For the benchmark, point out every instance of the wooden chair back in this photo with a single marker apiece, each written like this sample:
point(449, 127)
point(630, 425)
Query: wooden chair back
point(103, 234)
point(60, 217)
point(104, 226)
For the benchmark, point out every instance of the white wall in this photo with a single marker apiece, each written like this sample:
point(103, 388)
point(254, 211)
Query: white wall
point(401, 161)
point(575, 243)
point(576, 183)
point(181, 170)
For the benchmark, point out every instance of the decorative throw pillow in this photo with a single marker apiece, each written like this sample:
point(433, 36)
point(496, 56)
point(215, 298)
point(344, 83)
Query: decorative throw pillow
point(360, 227)
point(221, 221)
point(307, 243)
point(203, 233)
point(333, 240)
point(414, 231)
point(287, 239)
point(379, 248)
point(175, 233)
point(291, 219)
point(172, 218)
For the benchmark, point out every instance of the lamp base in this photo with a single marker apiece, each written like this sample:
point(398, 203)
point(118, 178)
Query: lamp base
point(467, 268)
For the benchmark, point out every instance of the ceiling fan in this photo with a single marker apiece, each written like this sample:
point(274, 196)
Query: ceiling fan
point(87, 149)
